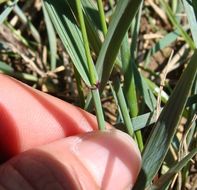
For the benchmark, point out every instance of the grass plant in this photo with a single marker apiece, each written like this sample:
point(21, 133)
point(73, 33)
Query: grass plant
point(116, 52)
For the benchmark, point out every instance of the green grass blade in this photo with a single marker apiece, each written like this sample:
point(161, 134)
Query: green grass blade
point(92, 25)
point(102, 16)
point(164, 181)
point(123, 106)
point(91, 68)
point(129, 83)
point(70, 35)
point(149, 118)
point(118, 27)
point(146, 92)
point(26, 21)
point(144, 120)
point(156, 90)
point(6, 69)
point(17, 34)
point(172, 18)
point(128, 54)
point(22, 76)
point(163, 132)
point(192, 19)
point(98, 109)
point(51, 37)
point(92, 74)
point(91, 18)
point(190, 117)
point(133, 78)
point(91, 10)
point(7, 11)
point(161, 44)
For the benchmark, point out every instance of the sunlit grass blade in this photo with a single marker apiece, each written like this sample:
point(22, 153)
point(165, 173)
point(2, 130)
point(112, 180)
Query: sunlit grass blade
point(129, 82)
point(51, 37)
point(7, 11)
point(70, 35)
point(164, 181)
point(156, 90)
point(172, 18)
point(163, 132)
point(133, 79)
point(17, 34)
point(192, 19)
point(129, 87)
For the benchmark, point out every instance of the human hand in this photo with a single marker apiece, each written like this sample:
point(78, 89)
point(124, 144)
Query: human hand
point(48, 144)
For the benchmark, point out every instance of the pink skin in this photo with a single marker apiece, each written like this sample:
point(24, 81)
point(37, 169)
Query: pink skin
point(33, 127)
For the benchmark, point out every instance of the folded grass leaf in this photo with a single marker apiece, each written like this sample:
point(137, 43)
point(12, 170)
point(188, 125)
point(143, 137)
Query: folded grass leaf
point(70, 35)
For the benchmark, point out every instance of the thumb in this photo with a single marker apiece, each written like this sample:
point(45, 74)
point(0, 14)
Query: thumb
point(95, 160)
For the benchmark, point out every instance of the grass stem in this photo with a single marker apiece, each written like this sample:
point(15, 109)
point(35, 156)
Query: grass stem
point(102, 16)
point(92, 71)
point(123, 105)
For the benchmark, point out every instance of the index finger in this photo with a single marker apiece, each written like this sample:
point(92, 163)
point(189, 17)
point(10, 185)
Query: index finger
point(30, 118)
